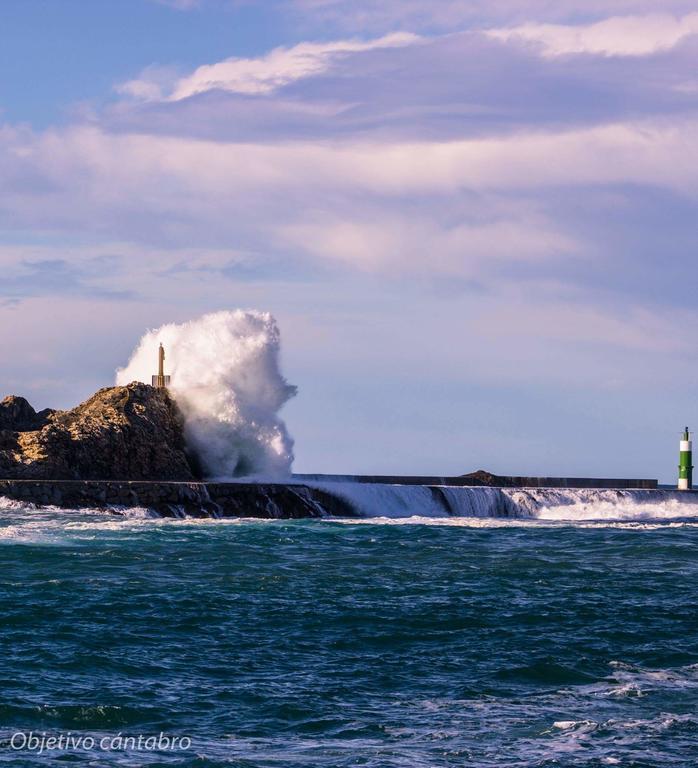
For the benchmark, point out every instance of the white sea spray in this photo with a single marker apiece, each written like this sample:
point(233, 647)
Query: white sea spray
point(227, 381)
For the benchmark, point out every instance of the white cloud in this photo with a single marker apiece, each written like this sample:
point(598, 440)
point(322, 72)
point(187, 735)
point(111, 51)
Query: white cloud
point(180, 5)
point(152, 83)
point(576, 322)
point(422, 243)
point(89, 178)
point(182, 216)
point(262, 75)
point(618, 36)
point(460, 14)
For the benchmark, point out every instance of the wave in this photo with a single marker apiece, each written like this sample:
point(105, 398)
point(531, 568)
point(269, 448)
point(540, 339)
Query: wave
point(435, 504)
point(227, 381)
point(407, 501)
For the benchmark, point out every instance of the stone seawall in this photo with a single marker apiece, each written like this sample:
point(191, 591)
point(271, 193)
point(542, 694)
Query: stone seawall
point(312, 498)
point(178, 499)
point(488, 480)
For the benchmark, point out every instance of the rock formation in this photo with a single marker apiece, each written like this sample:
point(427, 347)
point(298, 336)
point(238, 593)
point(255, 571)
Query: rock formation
point(17, 414)
point(120, 433)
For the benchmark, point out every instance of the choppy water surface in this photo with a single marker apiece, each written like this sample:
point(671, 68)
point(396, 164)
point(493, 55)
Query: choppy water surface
point(462, 642)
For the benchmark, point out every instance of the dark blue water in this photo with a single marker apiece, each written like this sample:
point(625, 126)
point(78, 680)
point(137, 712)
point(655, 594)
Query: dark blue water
point(326, 644)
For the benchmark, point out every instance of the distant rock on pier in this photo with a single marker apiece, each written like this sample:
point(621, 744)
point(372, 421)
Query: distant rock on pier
point(121, 433)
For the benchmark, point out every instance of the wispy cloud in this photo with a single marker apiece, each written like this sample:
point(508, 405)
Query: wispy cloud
point(618, 36)
point(180, 5)
point(262, 75)
point(448, 88)
point(354, 203)
point(449, 15)
point(54, 276)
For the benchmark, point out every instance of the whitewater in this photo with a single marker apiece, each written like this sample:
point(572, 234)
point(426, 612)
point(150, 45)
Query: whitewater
point(226, 379)
point(454, 505)
point(395, 501)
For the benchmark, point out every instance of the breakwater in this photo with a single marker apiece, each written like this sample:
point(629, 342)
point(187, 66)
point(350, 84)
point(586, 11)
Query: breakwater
point(179, 499)
point(306, 498)
point(487, 479)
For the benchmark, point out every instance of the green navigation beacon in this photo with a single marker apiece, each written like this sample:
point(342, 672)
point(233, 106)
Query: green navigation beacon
point(686, 462)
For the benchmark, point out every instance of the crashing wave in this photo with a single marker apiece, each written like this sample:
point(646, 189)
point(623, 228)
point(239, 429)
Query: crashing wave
point(401, 501)
point(227, 381)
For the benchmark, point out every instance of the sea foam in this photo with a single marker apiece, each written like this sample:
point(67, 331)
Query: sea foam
point(552, 505)
point(227, 381)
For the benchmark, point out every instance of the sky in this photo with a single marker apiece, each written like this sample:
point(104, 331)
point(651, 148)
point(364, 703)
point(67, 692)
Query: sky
point(474, 220)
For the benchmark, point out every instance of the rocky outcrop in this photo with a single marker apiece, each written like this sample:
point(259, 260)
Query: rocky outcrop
point(121, 433)
point(484, 478)
point(17, 415)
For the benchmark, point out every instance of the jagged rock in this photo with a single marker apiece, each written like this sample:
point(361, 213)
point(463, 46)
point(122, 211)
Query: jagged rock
point(120, 433)
point(483, 477)
point(17, 415)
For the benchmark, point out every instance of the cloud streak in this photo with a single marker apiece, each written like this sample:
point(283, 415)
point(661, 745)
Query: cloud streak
point(101, 169)
point(180, 5)
point(263, 75)
point(450, 15)
point(474, 217)
point(618, 36)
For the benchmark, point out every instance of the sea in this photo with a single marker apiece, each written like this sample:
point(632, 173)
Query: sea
point(562, 635)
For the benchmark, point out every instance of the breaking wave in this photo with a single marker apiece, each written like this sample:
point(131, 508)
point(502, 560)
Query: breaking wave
point(371, 500)
point(357, 502)
point(227, 381)
point(462, 506)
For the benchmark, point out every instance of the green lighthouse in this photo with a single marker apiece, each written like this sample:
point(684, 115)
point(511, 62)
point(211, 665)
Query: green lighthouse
point(686, 462)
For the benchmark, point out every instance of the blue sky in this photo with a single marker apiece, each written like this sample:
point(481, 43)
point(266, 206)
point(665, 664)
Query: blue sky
point(474, 221)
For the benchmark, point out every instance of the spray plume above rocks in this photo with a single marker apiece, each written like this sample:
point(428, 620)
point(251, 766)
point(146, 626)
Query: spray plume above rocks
point(226, 379)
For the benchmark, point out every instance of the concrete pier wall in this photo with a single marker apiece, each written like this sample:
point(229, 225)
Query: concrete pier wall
point(485, 479)
point(319, 496)
point(174, 499)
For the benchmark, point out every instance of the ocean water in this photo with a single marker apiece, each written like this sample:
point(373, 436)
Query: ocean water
point(568, 637)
